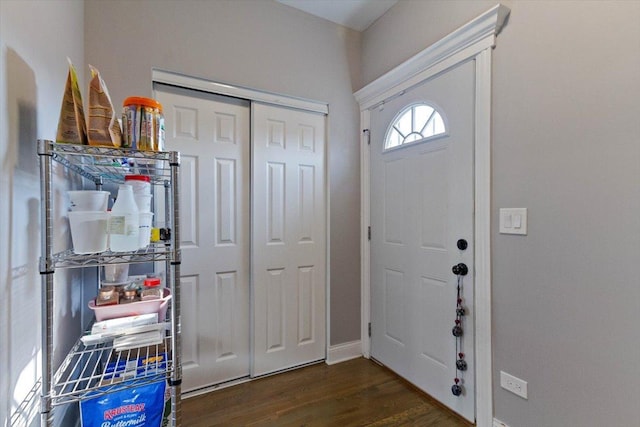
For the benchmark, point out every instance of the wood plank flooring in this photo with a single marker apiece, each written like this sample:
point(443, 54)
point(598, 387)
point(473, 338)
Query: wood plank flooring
point(354, 393)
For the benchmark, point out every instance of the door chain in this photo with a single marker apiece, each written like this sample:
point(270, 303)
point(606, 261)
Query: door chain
point(460, 270)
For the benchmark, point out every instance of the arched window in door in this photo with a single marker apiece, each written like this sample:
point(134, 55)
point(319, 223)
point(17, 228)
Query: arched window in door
point(416, 123)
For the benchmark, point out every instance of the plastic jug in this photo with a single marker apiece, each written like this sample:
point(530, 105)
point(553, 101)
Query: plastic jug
point(124, 222)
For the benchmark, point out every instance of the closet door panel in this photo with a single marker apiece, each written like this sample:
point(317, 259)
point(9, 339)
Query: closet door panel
point(288, 239)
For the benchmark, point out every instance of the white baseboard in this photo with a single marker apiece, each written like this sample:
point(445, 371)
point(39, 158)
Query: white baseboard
point(498, 423)
point(343, 352)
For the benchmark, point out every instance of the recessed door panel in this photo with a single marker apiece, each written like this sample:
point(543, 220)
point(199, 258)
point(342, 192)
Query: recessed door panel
point(395, 326)
point(226, 204)
point(189, 201)
point(306, 197)
point(276, 309)
point(189, 289)
point(434, 201)
point(435, 320)
point(185, 122)
point(225, 128)
point(228, 345)
point(305, 304)
point(275, 202)
point(306, 141)
point(276, 134)
point(394, 203)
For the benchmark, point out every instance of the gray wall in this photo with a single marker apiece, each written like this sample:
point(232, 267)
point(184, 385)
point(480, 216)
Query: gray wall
point(35, 39)
point(258, 44)
point(566, 145)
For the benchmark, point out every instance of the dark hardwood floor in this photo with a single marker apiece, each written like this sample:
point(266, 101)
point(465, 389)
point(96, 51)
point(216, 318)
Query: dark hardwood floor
point(354, 393)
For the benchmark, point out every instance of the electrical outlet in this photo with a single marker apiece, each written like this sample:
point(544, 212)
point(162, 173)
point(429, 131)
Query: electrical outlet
point(513, 384)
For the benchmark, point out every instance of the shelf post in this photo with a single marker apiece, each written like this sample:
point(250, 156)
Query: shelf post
point(173, 195)
point(46, 277)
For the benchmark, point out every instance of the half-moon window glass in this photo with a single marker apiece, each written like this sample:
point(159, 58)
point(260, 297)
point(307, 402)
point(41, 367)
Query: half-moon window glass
point(415, 123)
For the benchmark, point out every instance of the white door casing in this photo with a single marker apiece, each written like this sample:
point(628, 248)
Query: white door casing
point(288, 238)
point(421, 204)
point(212, 135)
point(476, 39)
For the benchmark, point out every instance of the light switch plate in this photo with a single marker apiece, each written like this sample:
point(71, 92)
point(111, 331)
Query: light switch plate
point(513, 221)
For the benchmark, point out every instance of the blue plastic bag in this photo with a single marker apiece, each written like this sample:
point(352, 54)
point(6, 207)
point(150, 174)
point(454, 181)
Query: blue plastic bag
point(134, 407)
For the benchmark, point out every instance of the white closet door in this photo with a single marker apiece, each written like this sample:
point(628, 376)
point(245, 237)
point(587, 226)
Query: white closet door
point(212, 134)
point(288, 238)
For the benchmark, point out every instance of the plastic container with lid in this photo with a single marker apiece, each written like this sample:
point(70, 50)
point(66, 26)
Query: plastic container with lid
point(129, 296)
point(152, 289)
point(107, 295)
point(143, 124)
point(141, 184)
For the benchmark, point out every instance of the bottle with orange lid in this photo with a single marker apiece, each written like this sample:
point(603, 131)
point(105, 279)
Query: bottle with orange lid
point(152, 289)
point(143, 124)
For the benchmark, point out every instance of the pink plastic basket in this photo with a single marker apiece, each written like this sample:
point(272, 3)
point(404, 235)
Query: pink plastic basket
point(159, 306)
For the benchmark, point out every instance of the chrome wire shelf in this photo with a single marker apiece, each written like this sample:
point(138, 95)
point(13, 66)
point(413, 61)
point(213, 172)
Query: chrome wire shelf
point(112, 164)
point(154, 252)
point(84, 373)
point(88, 371)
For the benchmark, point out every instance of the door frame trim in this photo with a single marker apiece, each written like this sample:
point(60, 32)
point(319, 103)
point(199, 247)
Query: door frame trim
point(473, 41)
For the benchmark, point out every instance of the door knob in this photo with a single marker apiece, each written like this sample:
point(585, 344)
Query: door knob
point(460, 269)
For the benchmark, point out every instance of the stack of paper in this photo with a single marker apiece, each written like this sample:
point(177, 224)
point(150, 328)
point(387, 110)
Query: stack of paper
point(142, 339)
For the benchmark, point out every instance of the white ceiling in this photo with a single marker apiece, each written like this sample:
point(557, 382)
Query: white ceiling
point(355, 14)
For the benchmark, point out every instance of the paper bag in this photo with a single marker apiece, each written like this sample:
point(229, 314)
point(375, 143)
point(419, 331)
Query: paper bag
point(104, 128)
point(71, 125)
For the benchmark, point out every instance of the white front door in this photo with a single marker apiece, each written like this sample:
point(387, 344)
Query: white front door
point(289, 243)
point(422, 203)
point(212, 134)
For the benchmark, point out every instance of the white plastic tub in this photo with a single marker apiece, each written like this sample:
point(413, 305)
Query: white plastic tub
point(88, 200)
point(105, 312)
point(89, 231)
